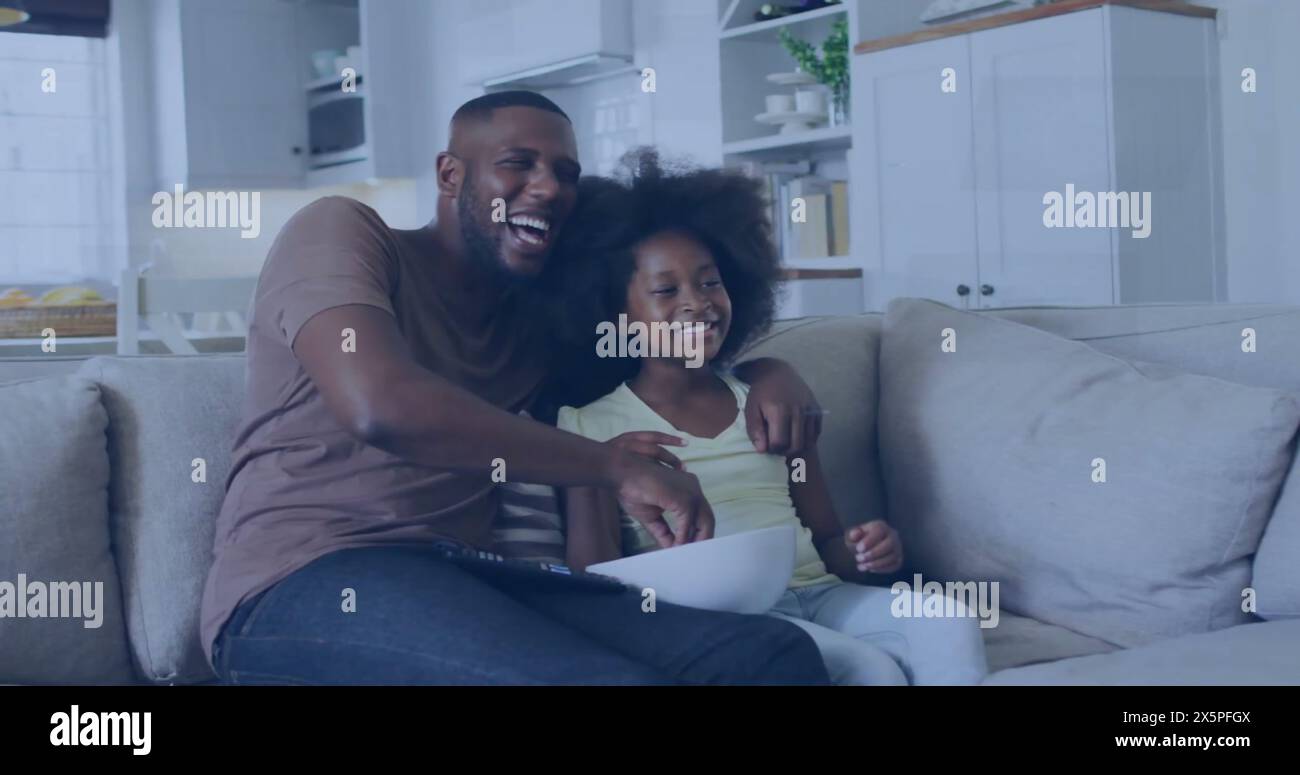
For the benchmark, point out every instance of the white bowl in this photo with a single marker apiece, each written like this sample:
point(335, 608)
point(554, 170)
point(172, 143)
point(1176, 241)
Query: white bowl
point(745, 573)
point(779, 103)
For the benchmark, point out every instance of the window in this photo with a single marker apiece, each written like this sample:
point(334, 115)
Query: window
point(57, 182)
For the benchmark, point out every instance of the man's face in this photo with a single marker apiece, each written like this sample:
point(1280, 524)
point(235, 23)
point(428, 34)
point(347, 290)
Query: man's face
point(528, 159)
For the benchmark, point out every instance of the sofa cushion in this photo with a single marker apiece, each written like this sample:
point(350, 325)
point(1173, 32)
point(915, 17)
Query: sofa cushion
point(991, 474)
point(1261, 653)
point(1019, 640)
point(165, 413)
point(837, 357)
point(1208, 339)
point(54, 530)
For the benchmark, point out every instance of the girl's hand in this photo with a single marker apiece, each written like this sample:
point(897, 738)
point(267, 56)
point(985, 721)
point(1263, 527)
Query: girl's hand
point(646, 444)
point(876, 547)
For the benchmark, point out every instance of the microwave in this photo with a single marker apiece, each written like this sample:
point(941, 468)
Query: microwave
point(336, 127)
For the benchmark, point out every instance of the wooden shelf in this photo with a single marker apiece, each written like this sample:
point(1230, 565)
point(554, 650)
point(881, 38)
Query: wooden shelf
point(777, 146)
point(799, 273)
point(769, 30)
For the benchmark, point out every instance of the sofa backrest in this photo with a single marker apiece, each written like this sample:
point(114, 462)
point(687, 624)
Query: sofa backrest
point(38, 367)
point(837, 357)
point(1197, 338)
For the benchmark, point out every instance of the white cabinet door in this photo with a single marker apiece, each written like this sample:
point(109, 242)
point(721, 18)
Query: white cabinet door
point(915, 205)
point(1041, 121)
point(245, 111)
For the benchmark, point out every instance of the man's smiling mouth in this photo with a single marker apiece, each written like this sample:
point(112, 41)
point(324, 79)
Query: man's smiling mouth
point(530, 229)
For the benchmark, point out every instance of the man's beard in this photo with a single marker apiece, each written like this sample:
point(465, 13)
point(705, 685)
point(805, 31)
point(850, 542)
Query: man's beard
point(483, 247)
point(483, 244)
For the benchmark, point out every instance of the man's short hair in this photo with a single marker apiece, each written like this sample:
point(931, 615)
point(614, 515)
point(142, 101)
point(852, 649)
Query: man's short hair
point(480, 108)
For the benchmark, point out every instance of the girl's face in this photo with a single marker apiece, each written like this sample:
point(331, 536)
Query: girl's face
point(676, 281)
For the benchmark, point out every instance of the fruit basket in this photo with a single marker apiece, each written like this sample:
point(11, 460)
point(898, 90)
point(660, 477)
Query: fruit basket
point(97, 319)
point(69, 311)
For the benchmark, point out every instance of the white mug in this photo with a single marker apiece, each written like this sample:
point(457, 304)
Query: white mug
point(810, 101)
point(780, 103)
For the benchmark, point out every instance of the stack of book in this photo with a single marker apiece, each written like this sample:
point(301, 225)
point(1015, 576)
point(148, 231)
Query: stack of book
point(809, 213)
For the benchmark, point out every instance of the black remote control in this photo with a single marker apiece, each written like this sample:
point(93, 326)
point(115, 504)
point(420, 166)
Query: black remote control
point(493, 566)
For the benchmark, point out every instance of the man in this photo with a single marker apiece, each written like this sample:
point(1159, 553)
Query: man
point(385, 370)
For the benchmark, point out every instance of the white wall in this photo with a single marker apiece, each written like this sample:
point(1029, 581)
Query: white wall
point(676, 37)
point(194, 252)
point(446, 93)
point(1287, 102)
point(1261, 133)
point(679, 39)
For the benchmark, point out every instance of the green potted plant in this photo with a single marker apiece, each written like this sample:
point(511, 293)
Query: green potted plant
point(831, 68)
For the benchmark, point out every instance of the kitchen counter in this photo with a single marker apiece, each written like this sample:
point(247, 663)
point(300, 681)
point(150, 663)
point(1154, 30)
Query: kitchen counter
point(1024, 15)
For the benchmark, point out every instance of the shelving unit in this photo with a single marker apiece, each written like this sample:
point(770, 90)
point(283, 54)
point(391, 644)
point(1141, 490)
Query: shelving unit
point(768, 30)
point(748, 52)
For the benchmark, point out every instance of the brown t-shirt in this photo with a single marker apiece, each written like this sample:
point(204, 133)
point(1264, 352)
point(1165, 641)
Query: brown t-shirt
point(301, 485)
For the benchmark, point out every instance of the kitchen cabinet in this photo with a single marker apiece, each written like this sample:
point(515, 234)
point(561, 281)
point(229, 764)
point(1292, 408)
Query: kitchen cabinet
point(231, 83)
point(961, 141)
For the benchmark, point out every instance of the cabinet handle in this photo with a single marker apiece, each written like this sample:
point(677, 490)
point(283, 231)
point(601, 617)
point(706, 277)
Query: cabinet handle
point(963, 290)
point(986, 290)
point(297, 150)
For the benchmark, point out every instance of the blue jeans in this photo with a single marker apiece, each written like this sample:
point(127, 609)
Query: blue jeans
point(419, 619)
point(864, 644)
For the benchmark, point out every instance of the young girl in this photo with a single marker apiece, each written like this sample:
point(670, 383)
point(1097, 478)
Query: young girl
point(694, 247)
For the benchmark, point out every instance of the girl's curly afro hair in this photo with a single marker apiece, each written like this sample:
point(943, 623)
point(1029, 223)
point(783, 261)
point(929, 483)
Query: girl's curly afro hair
point(594, 259)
